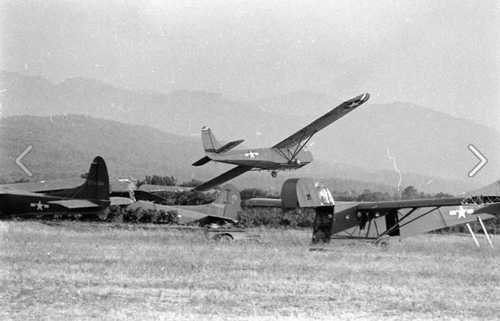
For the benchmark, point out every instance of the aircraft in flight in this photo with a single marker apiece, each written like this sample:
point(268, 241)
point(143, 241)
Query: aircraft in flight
point(90, 198)
point(376, 221)
point(288, 154)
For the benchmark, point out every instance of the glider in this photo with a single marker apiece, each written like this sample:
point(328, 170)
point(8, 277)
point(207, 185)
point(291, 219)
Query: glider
point(288, 154)
point(377, 221)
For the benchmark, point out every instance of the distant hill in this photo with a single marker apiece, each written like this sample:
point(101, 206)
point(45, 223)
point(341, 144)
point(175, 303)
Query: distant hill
point(375, 137)
point(64, 146)
point(488, 190)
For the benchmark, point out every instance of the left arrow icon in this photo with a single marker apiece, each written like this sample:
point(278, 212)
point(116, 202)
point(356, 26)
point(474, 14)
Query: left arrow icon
point(20, 157)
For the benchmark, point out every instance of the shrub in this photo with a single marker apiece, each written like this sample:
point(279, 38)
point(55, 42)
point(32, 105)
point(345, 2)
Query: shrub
point(276, 217)
point(139, 215)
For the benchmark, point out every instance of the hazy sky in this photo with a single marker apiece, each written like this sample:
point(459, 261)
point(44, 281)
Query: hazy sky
point(441, 54)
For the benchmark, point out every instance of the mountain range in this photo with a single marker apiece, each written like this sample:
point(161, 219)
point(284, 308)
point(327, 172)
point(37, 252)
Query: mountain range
point(159, 133)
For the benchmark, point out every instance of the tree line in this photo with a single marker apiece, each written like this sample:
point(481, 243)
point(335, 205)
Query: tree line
point(408, 193)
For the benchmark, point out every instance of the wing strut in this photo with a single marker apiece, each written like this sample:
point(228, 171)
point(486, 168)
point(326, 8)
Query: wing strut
point(485, 231)
point(397, 225)
point(368, 229)
point(302, 142)
point(473, 235)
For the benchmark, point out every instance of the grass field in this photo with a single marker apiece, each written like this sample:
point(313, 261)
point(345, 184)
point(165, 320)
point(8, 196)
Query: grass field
point(80, 272)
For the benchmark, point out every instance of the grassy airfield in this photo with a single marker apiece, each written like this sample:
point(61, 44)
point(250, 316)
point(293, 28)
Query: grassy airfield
point(80, 272)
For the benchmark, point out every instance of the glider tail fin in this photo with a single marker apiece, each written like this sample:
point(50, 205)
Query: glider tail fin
point(229, 201)
point(96, 185)
point(210, 143)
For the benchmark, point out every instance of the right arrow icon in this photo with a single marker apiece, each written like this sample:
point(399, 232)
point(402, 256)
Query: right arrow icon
point(482, 160)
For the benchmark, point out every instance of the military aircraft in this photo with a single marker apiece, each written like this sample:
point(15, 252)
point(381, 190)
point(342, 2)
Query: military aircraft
point(92, 197)
point(223, 211)
point(376, 221)
point(288, 154)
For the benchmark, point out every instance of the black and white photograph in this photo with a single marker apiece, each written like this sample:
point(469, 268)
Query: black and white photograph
point(249, 160)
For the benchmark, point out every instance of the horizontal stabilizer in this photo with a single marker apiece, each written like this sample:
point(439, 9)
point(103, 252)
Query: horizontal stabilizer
point(75, 204)
point(202, 161)
point(229, 146)
point(264, 202)
point(120, 201)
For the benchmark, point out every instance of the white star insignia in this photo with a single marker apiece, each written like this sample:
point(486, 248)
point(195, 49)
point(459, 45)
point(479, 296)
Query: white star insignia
point(40, 206)
point(461, 212)
point(251, 154)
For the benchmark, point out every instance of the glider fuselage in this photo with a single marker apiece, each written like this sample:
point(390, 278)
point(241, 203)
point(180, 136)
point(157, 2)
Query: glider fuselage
point(262, 158)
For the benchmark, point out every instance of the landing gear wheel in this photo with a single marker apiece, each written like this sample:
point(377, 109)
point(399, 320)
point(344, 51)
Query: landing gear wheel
point(223, 238)
point(274, 173)
point(103, 215)
point(383, 242)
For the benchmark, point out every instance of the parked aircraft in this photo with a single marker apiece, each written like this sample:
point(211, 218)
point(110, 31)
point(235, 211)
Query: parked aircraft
point(92, 197)
point(288, 154)
point(223, 211)
point(378, 220)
